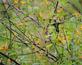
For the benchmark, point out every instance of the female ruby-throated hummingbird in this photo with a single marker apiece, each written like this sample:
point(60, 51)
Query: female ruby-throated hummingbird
point(56, 25)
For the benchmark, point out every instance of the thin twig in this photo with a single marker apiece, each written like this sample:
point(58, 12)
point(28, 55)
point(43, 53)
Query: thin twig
point(9, 58)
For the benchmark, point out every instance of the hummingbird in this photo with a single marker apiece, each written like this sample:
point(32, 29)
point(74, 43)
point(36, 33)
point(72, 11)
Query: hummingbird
point(56, 25)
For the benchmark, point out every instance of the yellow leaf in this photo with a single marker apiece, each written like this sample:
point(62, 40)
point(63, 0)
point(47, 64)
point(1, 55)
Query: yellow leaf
point(78, 32)
point(16, 1)
point(22, 2)
point(46, 2)
point(40, 14)
point(77, 14)
point(62, 39)
point(77, 42)
point(60, 10)
point(19, 24)
point(81, 27)
point(33, 47)
point(39, 55)
point(39, 42)
point(4, 47)
point(49, 46)
point(15, 33)
point(80, 57)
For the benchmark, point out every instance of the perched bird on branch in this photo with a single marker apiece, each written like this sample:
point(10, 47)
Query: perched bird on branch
point(56, 24)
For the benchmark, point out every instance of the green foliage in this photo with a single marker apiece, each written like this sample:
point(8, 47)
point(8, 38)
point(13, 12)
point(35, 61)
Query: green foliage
point(28, 36)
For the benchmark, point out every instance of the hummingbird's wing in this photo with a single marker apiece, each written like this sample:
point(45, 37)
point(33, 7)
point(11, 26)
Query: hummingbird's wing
point(56, 25)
